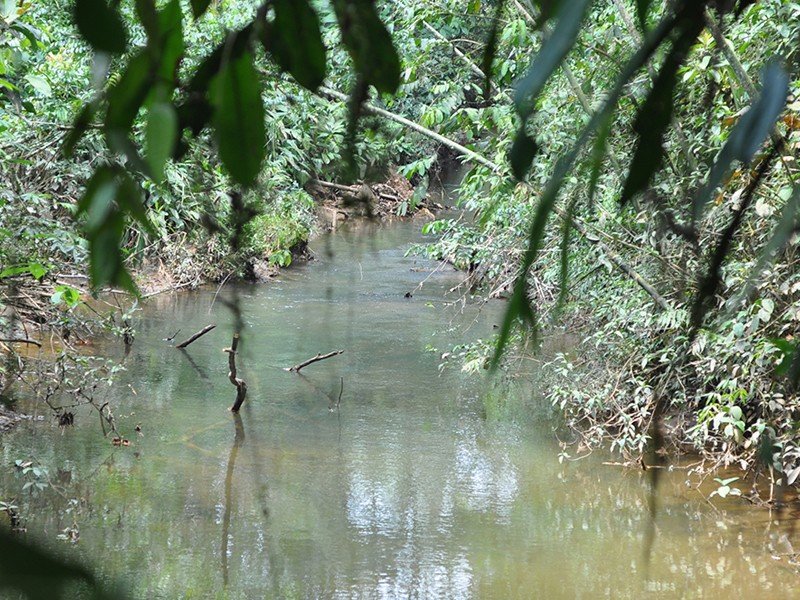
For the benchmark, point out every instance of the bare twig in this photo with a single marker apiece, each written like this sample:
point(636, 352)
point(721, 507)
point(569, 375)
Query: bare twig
point(20, 341)
point(313, 359)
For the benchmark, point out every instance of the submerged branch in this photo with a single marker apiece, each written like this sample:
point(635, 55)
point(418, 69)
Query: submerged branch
point(241, 386)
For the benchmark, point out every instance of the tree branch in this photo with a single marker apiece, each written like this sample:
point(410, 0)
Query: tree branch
point(199, 334)
point(313, 359)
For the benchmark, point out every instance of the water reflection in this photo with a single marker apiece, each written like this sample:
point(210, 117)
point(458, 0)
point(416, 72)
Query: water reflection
point(225, 547)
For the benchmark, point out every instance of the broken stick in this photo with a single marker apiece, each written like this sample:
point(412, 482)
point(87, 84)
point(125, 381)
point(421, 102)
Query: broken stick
point(21, 341)
point(200, 333)
point(241, 386)
point(314, 359)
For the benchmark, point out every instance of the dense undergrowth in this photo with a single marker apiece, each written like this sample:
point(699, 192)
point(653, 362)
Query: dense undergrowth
point(726, 392)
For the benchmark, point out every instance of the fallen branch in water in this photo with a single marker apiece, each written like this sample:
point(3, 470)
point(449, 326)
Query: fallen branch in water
point(313, 359)
point(199, 334)
point(241, 386)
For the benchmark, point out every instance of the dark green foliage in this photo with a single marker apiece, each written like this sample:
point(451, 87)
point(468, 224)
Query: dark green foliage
point(125, 99)
point(642, 8)
point(369, 44)
point(558, 44)
point(520, 306)
point(109, 196)
point(199, 7)
point(748, 134)
point(522, 152)
point(101, 26)
point(490, 49)
point(655, 115)
point(547, 60)
point(79, 127)
point(160, 138)
point(295, 40)
point(239, 118)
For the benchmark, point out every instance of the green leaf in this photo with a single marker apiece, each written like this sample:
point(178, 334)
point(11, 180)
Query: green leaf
point(369, 44)
point(125, 99)
point(598, 154)
point(160, 136)
point(519, 307)
point(33, 35)
point(491, 49)
point(105, 255)
point(642, 8)
point(39, 84)
point(749, 132)
point(40, 575)
point(129, 200)
point(36, 270)
point(566, 234)
point(199, 7)
point(98, 198)
point(170, 43)
point(239, 118)
point(109, 196)
point(231, 49)
point(101, 26)
point(655, 115)
point(521, 154)
point(79, 127)
point(550, 56)
point(66, 294)
point(296, 42)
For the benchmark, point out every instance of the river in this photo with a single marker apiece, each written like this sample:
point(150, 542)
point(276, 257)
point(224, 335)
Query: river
point(415, 482)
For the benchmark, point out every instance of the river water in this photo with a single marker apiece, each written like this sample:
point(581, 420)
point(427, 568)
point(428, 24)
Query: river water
point(423, 484)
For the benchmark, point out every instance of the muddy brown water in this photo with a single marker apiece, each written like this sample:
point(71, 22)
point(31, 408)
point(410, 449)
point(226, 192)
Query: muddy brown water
point(426, 483)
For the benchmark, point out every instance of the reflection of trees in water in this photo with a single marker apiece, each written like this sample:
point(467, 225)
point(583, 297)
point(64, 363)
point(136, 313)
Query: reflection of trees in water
point(238, 439)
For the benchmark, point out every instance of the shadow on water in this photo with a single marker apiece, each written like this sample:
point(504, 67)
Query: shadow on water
point(238, 440)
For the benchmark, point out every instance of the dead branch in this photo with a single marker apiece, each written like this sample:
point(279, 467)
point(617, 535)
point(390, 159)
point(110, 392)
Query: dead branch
point(313, 359)
point(350, 189)
point(241, 386)
point(20, 341)
point(200, 333)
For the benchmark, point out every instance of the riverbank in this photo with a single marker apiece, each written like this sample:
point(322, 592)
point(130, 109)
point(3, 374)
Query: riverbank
point(54, 302)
